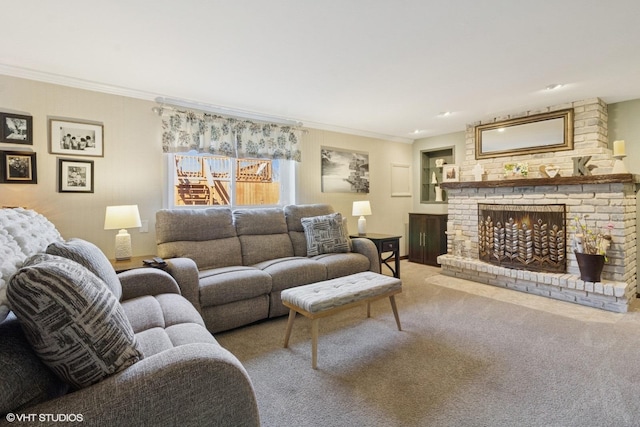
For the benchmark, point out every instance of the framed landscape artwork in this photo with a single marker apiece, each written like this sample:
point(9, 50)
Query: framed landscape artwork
point(75, 176)
point(344, 171)
point(16, 129)
point(76, 138)
point(18, 167)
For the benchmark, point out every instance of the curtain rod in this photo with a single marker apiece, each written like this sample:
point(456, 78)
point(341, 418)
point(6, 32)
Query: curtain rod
point(225, 111)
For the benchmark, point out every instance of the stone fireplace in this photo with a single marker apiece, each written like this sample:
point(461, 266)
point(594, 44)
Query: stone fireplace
point(534, 254)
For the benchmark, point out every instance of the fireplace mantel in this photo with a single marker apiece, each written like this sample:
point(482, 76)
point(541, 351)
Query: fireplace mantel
point(622, 178)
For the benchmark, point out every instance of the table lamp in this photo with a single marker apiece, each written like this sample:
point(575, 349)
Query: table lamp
point(122, 217)
point(361, 209)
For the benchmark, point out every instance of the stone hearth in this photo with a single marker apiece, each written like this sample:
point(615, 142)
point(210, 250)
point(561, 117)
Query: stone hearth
point(604, 198)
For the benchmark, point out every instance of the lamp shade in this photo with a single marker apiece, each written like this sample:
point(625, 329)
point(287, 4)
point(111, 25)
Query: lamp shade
point(119, 217)
point(361, 208)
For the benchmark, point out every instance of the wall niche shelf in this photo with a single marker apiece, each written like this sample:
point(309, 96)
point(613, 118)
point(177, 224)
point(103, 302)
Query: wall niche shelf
point(428, 168)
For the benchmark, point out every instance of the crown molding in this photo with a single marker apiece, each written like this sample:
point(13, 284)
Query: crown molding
point(77, 83)
point(358, 132)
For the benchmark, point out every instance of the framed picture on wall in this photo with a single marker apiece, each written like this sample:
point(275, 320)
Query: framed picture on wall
point(75, 176)
point(344, 171)
point(18, 167)
point(450, 173)
point(76, 138)
point(16, 129)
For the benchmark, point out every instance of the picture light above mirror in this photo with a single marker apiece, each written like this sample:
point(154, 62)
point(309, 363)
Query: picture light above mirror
point(537, 133)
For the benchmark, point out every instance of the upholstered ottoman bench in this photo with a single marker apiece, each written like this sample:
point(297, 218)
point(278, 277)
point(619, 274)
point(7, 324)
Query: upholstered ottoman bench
point(325, 298)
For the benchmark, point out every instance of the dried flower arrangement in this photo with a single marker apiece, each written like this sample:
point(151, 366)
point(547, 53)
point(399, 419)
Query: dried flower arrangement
point(590, 240)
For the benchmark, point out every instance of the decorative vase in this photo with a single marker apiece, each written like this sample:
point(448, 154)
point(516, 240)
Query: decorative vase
point(590, 266)
point(438, 194)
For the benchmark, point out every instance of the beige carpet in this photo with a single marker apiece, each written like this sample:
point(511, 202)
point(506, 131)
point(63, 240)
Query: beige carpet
point(469, 355)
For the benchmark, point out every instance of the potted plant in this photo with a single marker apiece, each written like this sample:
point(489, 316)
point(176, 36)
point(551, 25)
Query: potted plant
point(590, 247)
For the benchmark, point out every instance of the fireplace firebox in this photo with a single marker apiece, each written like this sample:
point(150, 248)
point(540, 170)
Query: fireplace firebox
point(523, 237)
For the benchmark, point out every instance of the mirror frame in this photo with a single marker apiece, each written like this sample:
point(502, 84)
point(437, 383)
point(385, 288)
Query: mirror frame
point(567, 144)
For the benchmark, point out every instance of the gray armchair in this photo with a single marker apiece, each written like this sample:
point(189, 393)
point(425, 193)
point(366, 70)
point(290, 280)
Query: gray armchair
point(185, 378)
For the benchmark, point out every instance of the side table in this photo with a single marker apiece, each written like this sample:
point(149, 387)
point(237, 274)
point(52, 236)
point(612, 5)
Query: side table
point(129, 264)
point(385, 243)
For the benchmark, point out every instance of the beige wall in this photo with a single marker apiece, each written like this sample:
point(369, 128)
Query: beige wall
point(129, 172)
point(132, 169)
point(389, 214)
point(624, 123)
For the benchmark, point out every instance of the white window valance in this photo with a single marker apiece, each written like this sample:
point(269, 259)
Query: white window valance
point(232, 137)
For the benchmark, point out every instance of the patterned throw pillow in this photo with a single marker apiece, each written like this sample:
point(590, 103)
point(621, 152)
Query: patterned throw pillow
point(91, 257)
point(325, 234)
point(72, 320)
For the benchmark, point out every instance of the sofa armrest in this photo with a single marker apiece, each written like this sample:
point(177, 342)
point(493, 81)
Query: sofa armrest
point(146, 281)
point(190, 385)
point(185, 272)
point(367, 248)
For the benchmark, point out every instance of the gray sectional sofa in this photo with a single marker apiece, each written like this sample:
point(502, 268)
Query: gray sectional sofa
point(61, 302)
point(233, 265)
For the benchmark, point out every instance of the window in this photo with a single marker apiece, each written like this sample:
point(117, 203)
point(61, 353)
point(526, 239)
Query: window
point(208, 180)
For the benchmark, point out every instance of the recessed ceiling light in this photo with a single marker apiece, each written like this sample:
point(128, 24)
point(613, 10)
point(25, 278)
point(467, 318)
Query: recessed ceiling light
point(418, 131)
point(444, 114)
point(554, 86)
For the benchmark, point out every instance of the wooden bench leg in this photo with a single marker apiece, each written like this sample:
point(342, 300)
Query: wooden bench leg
point(287, 334)
point(314, 343)
point(392, 298)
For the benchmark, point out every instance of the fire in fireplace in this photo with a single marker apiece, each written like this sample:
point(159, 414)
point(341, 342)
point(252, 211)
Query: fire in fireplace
point(523, 237)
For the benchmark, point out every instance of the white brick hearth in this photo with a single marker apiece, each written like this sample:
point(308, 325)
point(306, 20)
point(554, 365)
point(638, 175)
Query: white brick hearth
point(604, 198)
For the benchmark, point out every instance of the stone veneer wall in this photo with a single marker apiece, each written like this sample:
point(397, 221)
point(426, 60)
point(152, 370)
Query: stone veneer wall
point(590, 138)
point(602, 202)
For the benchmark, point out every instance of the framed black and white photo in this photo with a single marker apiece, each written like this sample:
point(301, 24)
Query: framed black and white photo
point(18, 167)
point(344, 171)
point(16, 129)
point(75, 176)
point(76, 138)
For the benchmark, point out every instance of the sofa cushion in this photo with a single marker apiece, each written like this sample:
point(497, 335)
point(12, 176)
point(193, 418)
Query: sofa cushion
point(260, 221)
point(206, 236)
point(174, 225)
point(91, 257)
point(339, 265)
point(206, 254)
point(24, 379)
point(225, 285)
point(160, 311)
point(292, 271)
point(325, 234)
point(258, 248)
point(72, 320)
point(165, 321)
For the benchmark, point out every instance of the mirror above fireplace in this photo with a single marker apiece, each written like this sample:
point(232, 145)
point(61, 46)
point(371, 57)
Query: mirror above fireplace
point(537, 133)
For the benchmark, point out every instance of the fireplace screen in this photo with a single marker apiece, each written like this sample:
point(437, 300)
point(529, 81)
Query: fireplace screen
point(523, 237)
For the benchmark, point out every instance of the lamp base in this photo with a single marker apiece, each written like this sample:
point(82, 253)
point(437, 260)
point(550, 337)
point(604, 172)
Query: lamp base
point(123, 245)
point(362, 226)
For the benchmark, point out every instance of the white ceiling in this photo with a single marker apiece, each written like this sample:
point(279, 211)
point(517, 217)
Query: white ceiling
point(377, 67)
